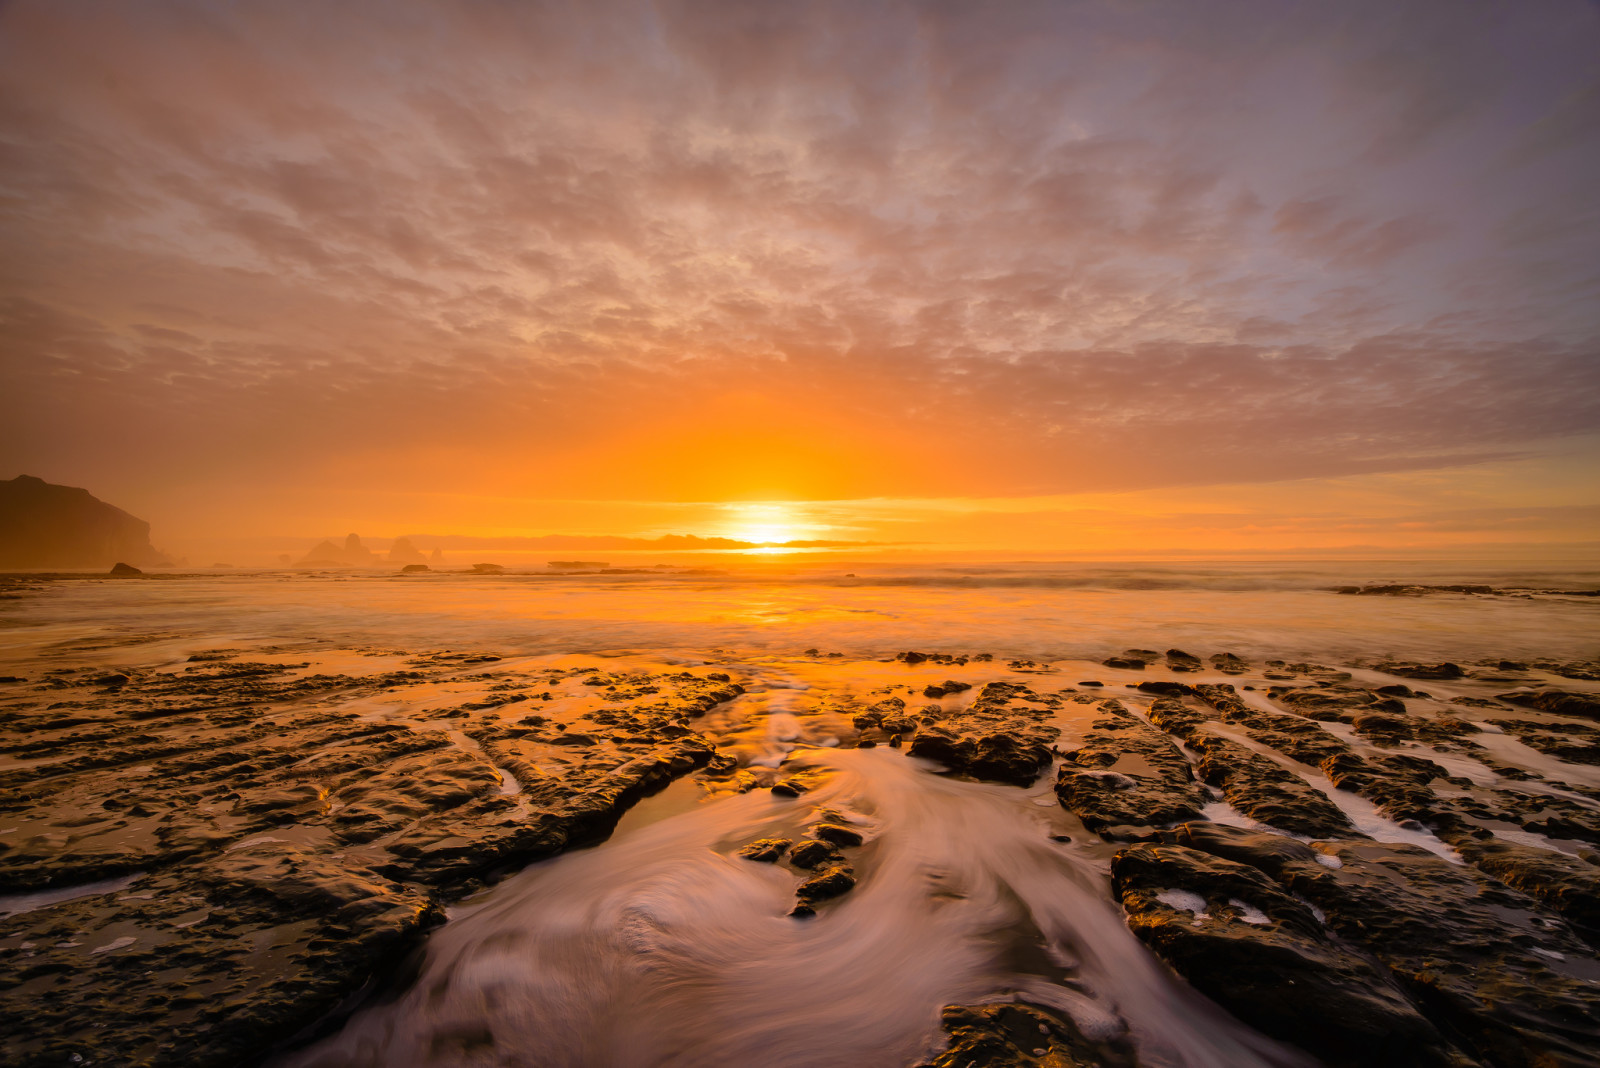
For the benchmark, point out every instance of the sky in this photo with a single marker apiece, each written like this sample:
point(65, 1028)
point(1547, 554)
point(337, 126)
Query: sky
point(1093, 277)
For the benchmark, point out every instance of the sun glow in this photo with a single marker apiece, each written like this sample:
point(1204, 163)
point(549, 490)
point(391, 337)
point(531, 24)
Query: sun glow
point(764, 524)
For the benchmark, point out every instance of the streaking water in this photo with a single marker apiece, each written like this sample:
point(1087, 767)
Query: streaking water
point(1042, 611)
point(662, 948)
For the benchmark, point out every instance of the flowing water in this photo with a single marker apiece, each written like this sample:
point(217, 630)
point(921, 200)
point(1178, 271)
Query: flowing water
point(1038, 611)
point(661, 946)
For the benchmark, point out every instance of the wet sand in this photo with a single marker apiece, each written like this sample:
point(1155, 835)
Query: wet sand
point(258, 837)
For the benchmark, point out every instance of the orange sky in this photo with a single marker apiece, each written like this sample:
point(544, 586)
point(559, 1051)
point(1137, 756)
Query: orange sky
point(1088, 278)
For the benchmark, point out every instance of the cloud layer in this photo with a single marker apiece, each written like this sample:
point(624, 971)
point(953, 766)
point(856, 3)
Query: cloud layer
point(701, 251)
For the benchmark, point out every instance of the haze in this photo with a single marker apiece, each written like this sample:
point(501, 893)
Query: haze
point(1092, 278)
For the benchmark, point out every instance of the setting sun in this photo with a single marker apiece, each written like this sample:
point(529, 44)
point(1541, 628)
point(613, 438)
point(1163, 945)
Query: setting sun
point(642, 533)
point(764, 524)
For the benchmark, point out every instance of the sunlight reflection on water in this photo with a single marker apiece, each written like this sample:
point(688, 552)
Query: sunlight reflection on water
point(1039, 613)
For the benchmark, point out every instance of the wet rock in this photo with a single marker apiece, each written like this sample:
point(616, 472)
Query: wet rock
point(1003, 736)
point(1397, 790)
point(1384, 729)
point(1486, 963)
point(1260, 787)
point(1229, 664)
point(1023, 1036)
point(1557, 702)
point(124, 570)
point(1178, 660)
point(830, 882)
point(766, 850)
point(410, 569)
point(1265, 790)
point(1410, 670)
point(892, 708)
point(1413, 590)
point(1572, 742)
point(1259, 849)
point(1244, 942)
point(488, 569)
point(1127, 775)
point(186, 776)
point(1339, 704)
point(1170, 689)
point(946, 688)
point(800, 782)
point(838, 834)
point(1293, 735)
point(811, 853)
point(1127, 663)
point(1566, 884)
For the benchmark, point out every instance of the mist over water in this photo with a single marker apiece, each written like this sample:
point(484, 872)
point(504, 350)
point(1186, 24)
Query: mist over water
point(1038, 611)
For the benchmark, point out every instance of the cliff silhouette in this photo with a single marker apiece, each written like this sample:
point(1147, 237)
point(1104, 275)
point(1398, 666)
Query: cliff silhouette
point(43, 525)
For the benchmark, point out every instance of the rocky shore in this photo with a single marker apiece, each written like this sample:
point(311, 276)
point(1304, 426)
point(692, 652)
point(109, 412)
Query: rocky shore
point(211, 859)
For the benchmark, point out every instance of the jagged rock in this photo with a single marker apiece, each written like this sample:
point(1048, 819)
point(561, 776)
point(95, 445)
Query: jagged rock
point(1244, 942)
point(830, 882)
point(1456, 942)
point(1566, 884)
point(766, 850)
point(1178, 660)
point(1257, 786)
point(837, 834)
point(1339, 704)
point(121, 570)
point(1023, 1036)
point(1408, 670)
point(999, 737)
point(168, 774)
point(1126, 774)
point(811, 853)
point(1229, 664)
point(1557, 702)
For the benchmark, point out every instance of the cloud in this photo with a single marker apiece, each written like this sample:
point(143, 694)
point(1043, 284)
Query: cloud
point(700, 250)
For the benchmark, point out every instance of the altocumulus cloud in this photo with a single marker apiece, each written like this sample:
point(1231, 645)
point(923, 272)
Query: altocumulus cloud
point(950, 248)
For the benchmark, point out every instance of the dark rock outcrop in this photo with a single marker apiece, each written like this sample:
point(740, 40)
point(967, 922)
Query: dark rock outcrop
point(43, 525)
point(1004, 736)
point(1126, 775)
point(1557, 702)
point(184, 780)
point(1250, 946)
point(1458, 944)
point(1023, 1036)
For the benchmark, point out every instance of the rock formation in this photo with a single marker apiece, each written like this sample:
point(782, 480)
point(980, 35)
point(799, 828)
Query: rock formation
point(48, 526)
point(403, 552)
point(351, 554)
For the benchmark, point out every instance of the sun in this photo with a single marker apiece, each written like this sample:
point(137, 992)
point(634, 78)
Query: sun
point(764, 524)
